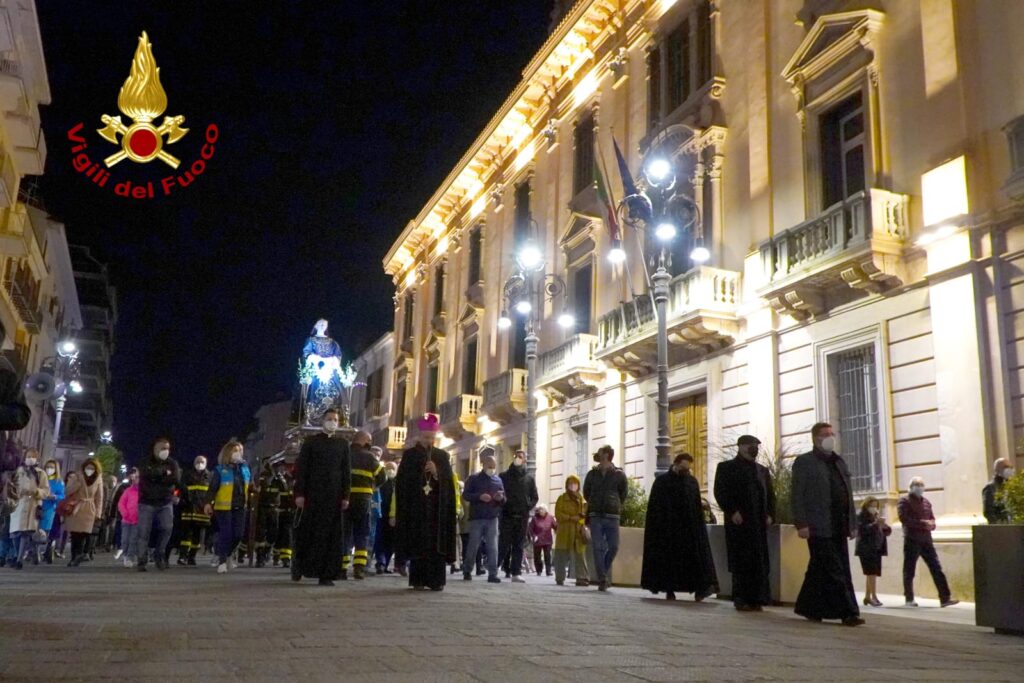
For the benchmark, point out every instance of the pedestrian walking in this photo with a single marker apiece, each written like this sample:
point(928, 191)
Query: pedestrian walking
point(994, 510)
point(128, 509)
point(195, 495)
point(425, 509)
point(604, 488)
point(322, 480)
point(229, 490)
point(84, 497)
point(677, 553)
point(918, 520)
point(571, 534)
point(485, 494)
point(8, 502)
point(746, 495)
point(872, 545)
point(542, 528)
point(50, 521)
point(384, 545)
point(520, 498)
point(158, 480)
point(824, 515)
point(286, 515)
point(367, 475)
point(268, 511)
point(31, 488)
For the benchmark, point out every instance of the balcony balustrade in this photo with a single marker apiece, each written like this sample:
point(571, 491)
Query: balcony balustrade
point(570, 369)
point(460, 415)
point(505, 396)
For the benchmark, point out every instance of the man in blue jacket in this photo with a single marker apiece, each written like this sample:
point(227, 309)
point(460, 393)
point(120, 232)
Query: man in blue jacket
point(485, 494)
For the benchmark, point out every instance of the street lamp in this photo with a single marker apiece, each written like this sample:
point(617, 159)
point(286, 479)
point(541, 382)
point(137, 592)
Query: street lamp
point(659, 205)
point(523, 292)
point(65, 372)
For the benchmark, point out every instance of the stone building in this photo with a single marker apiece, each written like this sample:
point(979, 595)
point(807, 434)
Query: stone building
point(857, 169)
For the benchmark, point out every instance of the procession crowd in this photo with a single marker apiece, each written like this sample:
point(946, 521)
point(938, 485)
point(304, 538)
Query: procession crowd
point(341, 507)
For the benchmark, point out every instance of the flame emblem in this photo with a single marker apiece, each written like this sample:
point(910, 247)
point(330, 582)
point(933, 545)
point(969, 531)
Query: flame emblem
point(142, 99)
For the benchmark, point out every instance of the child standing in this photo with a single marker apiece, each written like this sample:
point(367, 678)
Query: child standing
point(871, 546)
point(541, 527)
point(128, 506)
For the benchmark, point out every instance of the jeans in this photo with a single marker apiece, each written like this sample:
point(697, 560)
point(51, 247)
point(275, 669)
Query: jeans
point(128, 537)
point(230, 529)
point(926, 551)
point(605, 538)
point(8, 547)
point(24, 544)
point(486, 529)
point(160, 517)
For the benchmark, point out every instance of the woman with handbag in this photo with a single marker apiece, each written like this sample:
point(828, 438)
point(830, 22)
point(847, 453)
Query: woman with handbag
point(85, 493)
point(31, 489)
point(572, 535)
point(871, 546)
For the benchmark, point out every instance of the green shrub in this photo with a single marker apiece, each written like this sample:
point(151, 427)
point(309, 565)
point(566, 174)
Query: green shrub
point(634, 510)
point(782, 477)
point(1012, 497)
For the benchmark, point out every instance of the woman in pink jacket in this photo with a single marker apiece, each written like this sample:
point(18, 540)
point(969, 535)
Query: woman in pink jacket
point(541, 527)
point(128, 506)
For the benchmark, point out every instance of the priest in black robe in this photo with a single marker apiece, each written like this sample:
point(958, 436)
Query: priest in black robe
point(744, 491)
point(424, 502)
point(677, 553)
point(322, 482)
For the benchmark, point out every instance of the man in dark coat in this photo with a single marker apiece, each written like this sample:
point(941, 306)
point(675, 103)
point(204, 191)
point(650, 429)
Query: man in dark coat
point(322, 481)
point(384, 541)
point(744, 491)
point(520, 499)
point(823, 513)
point(993, 508)
point(424, 503)
point(677, 554)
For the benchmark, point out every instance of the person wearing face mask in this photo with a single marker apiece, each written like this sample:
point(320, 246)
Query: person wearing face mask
point(367, 475)
point(825, 516)
point(872, 546)
point(286, 515)
point(158, 477)
point(128, 509)
point(85, 491)
point(521, 494)
point(677, 553)
point(918, 520)
point(605, 489)
point(229, 490)
point(994, 510)
point(384, 544)
point(323, 476)
point(195, 495)
point(485, 493)
point(31, 488)
point(746, 495)
point(50, 521)
point(571, 534)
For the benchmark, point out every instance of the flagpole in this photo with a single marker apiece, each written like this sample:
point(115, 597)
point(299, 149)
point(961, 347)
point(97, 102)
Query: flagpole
point(611, 196)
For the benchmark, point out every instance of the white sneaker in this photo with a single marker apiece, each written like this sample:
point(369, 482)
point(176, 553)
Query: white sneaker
point(118, 554)
point(222, 568)
point(911, 603)
point(516, 579)
point(231, 563)
point(129, 562)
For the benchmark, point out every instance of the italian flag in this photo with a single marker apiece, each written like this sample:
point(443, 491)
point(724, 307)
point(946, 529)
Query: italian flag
point(606, 203)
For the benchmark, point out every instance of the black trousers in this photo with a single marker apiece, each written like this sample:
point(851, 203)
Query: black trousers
point(827, 592)
point(542, 558)
point(79, 543)
point(926, 551)
point(191, 537)
point(428, 571)
point(511, 534)
point(751, 588)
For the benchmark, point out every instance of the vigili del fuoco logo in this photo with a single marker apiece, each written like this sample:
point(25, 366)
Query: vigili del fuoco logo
point(141, 100)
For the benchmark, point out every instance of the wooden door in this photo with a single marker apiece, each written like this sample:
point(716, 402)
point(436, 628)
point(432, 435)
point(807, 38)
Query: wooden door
point(688, 431)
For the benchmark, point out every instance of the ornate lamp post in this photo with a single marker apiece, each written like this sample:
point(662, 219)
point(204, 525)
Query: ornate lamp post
point(525, 292)
point(659, 204)
point(65, 371)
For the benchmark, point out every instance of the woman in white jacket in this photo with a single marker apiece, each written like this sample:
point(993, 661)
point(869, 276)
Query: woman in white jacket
point(31, 489)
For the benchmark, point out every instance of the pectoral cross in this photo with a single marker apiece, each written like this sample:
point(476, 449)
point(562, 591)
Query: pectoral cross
point(427, 488)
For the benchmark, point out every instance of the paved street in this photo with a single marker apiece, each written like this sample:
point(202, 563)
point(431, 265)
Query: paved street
point(108, 622)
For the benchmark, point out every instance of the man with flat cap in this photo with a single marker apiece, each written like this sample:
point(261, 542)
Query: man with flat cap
point(744, 491)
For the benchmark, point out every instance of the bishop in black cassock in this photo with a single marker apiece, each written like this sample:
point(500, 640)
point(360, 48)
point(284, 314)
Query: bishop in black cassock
point(322, 482)
point(677, 553)
point(424, 501)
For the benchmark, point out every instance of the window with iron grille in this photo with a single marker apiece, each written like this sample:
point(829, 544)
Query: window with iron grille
point(581, 435)
point(853, 375)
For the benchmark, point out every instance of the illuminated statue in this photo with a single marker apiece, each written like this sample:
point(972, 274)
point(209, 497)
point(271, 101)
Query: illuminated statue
point(321, 364)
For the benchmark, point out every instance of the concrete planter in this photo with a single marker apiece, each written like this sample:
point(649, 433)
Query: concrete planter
point(629, 561)
point(998, 568)
point(787, 553)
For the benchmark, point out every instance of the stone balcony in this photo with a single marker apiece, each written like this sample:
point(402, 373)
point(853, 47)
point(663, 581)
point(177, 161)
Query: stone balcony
point(505, 396)
point(853, 247)
point(701, 315)
point(459, 415)
point(570, 369)
point(391, 437)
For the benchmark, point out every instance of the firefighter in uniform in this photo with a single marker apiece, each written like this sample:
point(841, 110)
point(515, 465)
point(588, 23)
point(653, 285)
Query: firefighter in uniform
point(266, 524)
point(367, 475)
point(195, 487)
point(286, 515)
point(250, 502)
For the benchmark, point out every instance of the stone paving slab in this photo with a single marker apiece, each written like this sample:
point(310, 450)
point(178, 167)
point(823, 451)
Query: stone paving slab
point(104, 622)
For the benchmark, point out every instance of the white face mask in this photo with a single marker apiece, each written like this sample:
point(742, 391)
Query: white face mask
point(391, 474)
point(828, 444)
point(330, 425)
point(873, 510)
point(200, 466)
point(89, 471)
point(917, 490)
point(236, 457)
point(490, 471)
point(573, 488)
point(51, 471)
point(30, 462)
point(1007, 473)
point(164, 454)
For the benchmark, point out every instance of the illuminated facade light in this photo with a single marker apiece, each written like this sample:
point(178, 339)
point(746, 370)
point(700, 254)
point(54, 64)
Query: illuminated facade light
point(944, 192)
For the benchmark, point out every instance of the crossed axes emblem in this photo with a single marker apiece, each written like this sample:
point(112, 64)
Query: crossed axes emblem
point(142, 141)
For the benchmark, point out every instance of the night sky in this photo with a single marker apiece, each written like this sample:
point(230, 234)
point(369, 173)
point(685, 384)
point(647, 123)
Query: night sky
point(337, 122)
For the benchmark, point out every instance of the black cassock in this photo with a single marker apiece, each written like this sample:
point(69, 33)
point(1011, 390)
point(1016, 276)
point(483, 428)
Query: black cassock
point(322, 477)
point(425, 519)
point(746, 487)
point(677, 554)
